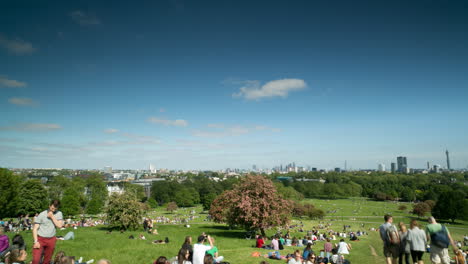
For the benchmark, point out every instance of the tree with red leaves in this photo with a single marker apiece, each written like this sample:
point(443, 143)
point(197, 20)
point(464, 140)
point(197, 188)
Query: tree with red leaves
point(253, 204)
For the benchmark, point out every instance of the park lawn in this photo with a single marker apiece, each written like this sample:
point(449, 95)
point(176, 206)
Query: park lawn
point(94, 242)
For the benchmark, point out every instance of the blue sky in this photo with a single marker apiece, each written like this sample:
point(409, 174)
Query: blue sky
point(229, 84)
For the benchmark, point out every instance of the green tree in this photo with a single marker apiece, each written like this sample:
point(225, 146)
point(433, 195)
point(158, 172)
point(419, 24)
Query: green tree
point(9, 193)
point(208, 199)
point(56, 187)
point(70, 203)
point(124, 211)
point(33, 197)
point(186, 197)
point(97, 194)
point(451, 205)
point(253, 204)
point(138, 190)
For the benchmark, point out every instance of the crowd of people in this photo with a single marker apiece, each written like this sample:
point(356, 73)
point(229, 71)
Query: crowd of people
point(399, 244)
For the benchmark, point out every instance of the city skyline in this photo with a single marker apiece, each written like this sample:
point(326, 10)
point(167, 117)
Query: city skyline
point(214, 85)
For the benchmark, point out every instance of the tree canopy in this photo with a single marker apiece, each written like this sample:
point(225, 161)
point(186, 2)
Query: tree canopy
point(254, 203)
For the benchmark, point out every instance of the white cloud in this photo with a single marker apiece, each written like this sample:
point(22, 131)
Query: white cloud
point(162, 110)
point(16, 46)
point(277, 88)
point(32, 127)
point(23, 101)
point(166, 122)
point(221, 130)
point(84, 19)
point(111, 131)
point(5, 82)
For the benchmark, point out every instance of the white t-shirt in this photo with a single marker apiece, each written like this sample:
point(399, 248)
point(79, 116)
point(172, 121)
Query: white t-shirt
point(199, 253)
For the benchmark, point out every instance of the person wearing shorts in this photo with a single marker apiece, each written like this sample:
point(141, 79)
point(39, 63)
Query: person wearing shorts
point(439, 254)
point(391, 251)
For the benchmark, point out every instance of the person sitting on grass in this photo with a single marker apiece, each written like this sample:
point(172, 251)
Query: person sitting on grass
point(200, 249)
point(183, 257)
point(188, 246)
point(297, 258)
point(16, 256)
point(4, 243)
point(310, 259)
point(104, 261)
point(208, 259)
point(308, 250)
point(214, 253)
point(260, 242)
point(161, 260)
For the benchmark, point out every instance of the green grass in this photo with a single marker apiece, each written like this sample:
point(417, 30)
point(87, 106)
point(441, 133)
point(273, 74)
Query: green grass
point(95, 243)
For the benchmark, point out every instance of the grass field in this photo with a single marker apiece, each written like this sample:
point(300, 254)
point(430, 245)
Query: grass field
point(95, 243)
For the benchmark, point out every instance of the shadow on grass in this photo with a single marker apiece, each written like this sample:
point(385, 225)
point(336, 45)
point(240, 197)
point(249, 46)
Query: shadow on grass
point(225, 231)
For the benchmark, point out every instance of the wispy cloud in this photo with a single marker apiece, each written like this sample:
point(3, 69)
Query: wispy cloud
point(31, 127)
point(16, 46)
point(162, 110)
point(166, 122)
point(23, 101)
point(5, 82)
point(84, 19)
point(252, 90)
point(111, 131)
point(221, 130)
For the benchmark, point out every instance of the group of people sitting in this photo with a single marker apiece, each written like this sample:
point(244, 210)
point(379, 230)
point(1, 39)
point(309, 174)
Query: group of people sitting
point(199, 253)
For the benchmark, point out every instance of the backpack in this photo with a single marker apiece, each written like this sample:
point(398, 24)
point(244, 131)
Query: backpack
point(392, 235)
point(440, 238)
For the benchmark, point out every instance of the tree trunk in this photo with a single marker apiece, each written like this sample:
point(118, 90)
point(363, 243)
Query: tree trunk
point(263, 232)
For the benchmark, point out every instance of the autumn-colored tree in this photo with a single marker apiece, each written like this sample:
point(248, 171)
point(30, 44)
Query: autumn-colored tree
point(171, 207)
point(420, 209)
point(402, 207)
point(253, 204)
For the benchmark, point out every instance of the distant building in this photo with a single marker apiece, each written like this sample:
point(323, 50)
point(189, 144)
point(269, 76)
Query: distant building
point(337, 170)
point(314, 169)
point(381, 167)
point(107, 169)
point(254, 167)
point(393, 167)
point(436, 168)
point(402, 164)
point(448, 159)
point(152, 169)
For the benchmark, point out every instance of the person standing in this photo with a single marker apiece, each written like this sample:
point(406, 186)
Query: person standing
point(44, 233)
point(389, 235)
point(417, 241)
point(437, 233)
point(404, 245)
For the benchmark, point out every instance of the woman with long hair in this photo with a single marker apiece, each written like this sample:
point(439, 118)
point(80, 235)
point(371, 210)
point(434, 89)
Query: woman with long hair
point(188, 246)
point(183, 257)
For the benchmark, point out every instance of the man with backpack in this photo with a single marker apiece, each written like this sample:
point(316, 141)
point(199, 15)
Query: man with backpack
point(440, 240)
point(391, 239)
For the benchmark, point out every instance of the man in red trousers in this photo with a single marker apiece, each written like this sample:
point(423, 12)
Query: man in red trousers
point(44, 233)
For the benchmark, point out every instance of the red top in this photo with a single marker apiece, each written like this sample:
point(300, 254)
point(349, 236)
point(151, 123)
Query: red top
point(260, 243)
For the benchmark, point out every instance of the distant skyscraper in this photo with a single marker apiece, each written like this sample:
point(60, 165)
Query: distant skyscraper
point(448, 159)
point(152, 169)
point(254, 167)
point(108, 169)
point(337, 170)
point(402, 164)
point(314, 169)
point(381, 167)
point(428, 166)
point(393, 167)
point(436, 168)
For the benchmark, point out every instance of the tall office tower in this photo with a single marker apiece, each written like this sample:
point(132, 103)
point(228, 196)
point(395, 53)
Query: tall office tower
point(402, 164)
point(108, 169)
point(393, 167)
point(254, 167)
point(337, 170)
point(281, 167)
point(428, 166)
point(448, 159)
point(381, 167)
point(152, 169)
